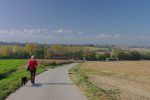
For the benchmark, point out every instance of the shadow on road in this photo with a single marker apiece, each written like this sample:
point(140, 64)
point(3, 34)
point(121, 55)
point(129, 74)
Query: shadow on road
point(43, 84)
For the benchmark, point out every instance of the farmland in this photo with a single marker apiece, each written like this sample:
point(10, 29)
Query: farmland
point(124, 80)
point(7, 67)
point(141, 50)
point(11, 72)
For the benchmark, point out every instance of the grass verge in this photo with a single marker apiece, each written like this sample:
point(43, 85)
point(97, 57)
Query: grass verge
point(92, 91)
point(11, 83)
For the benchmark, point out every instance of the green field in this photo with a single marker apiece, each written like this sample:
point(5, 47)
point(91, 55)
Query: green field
point(9, 66)
point(11, 72)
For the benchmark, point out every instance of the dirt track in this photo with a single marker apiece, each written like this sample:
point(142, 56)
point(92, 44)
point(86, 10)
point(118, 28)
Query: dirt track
point(54, 84)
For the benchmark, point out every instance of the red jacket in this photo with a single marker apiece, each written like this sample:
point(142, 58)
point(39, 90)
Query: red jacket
point(32, 64)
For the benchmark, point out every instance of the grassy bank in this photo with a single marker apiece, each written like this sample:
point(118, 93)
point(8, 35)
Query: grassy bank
point(12, 79)
point(92, 91)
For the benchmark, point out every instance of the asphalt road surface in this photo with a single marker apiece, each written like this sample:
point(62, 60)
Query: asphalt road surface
point(54, 84)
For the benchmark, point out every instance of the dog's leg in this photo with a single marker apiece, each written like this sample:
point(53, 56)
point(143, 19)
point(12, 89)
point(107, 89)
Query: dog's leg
point(23, 83)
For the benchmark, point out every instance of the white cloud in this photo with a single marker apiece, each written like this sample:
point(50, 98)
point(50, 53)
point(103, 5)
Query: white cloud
point(25, 35)
point(44, 36)
point(69, 33)
point(102, 36)
point(117, 35)
point(80, 33)
point(143, 37)
point(44, 30)
point(61, 30)
point(24, 31)
point(107, 36)
point(38, 30)
point(1, 32)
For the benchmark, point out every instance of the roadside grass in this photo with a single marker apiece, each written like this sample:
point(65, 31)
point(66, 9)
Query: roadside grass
point(12, 82)
point(92, 91)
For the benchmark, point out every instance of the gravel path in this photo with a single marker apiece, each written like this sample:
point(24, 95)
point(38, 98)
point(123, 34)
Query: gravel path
point(54, 84)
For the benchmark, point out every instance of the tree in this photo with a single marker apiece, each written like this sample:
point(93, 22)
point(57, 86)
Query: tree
point(5, 51)
point(18, 52)
point(33, 49)
point(135, 55)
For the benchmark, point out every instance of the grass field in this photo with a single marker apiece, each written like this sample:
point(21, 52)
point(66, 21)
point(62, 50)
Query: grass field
point(96, 48)
point(91, 48)
point(141, 50)
point(11, 72)
point(124, 80)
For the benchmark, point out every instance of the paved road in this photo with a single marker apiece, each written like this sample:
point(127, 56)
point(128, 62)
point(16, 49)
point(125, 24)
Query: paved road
point(53, 84)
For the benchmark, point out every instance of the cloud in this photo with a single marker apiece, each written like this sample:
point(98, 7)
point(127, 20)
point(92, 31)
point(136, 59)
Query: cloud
point(80, 33)
point(143, 37)
point(117, 35)
point(69, 36)
point(71, 32)
point(107, 36)
point(61, 30)
point(40, 35)
point(103, 36)
point(25, 35)
point(13, 31)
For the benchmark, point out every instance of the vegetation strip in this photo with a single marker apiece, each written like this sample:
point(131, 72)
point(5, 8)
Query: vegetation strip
point(78, 52)
point(92, 91)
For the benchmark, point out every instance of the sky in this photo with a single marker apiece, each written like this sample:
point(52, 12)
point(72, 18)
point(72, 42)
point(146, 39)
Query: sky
point(112, 22)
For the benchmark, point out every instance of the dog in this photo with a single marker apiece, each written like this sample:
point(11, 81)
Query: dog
point(24, 81)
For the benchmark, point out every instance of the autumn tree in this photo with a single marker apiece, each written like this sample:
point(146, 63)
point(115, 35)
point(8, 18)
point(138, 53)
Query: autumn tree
point(19, 52)
point(6, 51)
point(34, 49)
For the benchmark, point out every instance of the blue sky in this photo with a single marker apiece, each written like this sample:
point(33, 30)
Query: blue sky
point(121, 22)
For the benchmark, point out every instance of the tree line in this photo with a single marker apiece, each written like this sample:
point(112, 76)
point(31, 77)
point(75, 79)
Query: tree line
point(130, 55)
point(67, 52)
point(44, 51)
